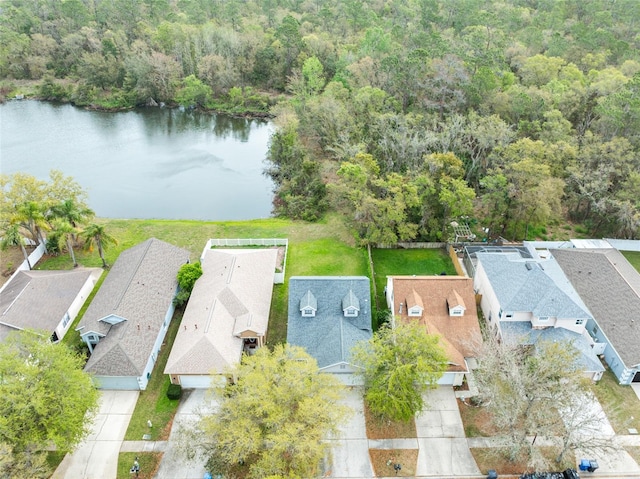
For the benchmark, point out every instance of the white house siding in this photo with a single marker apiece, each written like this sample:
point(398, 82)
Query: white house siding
point(125, 383)
point(489, 302)
point(451, 379)
point(344, 372)
point(77, 304)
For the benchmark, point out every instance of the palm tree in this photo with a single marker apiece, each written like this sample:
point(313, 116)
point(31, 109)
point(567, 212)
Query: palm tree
point(30, 215)
point(13, 237)
point(65, 233)
point(96, 235)
point(71, 211)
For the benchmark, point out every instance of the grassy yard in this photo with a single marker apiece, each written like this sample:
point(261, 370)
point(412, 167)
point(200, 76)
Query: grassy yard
point(407, 262)
point(153, 403)
point(620, 403)
point(383, 461)
point(149, 463)
point(633, 257)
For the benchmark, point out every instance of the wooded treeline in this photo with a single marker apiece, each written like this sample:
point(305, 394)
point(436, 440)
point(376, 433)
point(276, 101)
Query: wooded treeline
point(405, 115)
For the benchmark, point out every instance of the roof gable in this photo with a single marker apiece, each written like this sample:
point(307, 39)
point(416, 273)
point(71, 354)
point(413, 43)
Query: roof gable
point(330, 336)
point(232, 298)
point(461, 335)
point(524, 286)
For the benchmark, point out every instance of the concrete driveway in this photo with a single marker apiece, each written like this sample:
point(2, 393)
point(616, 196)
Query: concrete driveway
point(174, 465)
point(443, 447)
point(97, 456)
point(350, 451)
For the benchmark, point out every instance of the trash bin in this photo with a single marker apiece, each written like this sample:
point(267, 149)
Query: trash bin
point(492, 474)
point(584, 464)
point(593, 465)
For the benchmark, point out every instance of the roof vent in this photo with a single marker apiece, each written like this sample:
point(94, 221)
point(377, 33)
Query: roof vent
point(528, 266)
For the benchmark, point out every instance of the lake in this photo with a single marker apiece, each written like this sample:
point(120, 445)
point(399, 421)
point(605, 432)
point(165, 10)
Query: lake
point(146, 163)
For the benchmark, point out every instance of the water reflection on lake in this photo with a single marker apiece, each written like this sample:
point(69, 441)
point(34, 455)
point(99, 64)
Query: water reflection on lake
point(148, 163)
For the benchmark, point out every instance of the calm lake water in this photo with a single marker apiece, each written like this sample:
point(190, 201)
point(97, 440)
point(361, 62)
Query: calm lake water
point(147, 163)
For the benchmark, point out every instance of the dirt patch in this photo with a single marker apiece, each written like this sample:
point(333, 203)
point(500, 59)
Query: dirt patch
point(10, 259)
point(498, 459)
point(379, 428)
point(384, 460)
point(476, 420)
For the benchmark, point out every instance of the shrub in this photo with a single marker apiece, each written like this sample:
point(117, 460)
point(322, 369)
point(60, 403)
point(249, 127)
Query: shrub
point(174, 391)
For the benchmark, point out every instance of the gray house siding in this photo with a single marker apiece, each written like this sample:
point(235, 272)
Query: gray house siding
point(123, 383)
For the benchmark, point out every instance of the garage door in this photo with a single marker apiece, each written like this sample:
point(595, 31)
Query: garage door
point(123, 383)
point(201, 382)
point(636, 378)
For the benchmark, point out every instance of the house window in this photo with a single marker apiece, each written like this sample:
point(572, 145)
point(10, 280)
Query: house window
point(307, 312)
point(509, 315)
point(66, 319)
point(543, 318)
point(351, 312)
point(595, 330)
point(579, 321)
point(415, 312)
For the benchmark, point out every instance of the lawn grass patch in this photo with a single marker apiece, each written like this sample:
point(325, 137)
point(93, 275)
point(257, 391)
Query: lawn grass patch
point(421, 262)
point(498, 459)
point(383, 460)
point(620, 403)
point(382, 428)
point(149, 463)
point(633, 257)
point(153, 403)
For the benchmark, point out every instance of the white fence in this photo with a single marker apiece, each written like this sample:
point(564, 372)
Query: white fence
point(624, 245)
point(34, 257)
point(278, 277)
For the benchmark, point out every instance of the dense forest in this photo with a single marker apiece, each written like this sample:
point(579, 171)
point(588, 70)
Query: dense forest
point(514, 116)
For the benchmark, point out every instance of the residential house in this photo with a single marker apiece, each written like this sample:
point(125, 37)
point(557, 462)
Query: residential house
point(610, 287)
point(446, 306)
point(227, 314)
point(126, 323)
point(527, 300)
point(327, 316)
point(45, 300)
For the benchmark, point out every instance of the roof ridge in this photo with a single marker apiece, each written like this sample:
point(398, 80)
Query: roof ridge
point(134, 271)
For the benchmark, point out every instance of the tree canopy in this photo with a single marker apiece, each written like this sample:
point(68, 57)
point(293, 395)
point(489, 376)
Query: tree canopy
point(399, 364)
point(273, 419)
point(540, 101)
point(537, 390)
point(47, 399)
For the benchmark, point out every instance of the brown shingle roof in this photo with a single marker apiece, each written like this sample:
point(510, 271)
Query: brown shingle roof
point(610, 287)
point(461, 335)
point(232, 296)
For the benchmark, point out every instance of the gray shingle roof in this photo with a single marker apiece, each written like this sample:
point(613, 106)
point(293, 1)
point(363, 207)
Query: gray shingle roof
point(329, 336)
point(140, 287)
point(523, 285)
point(610, 287)
point(40, 299)
point(521, 332)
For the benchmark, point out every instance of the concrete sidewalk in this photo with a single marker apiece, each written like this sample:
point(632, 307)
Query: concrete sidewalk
point(97, 456)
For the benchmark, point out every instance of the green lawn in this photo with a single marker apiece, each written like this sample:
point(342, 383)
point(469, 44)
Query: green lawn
point(153, 403)
point(407, 262)
point(149, 463)
point(620, 403)
point(633, 257)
